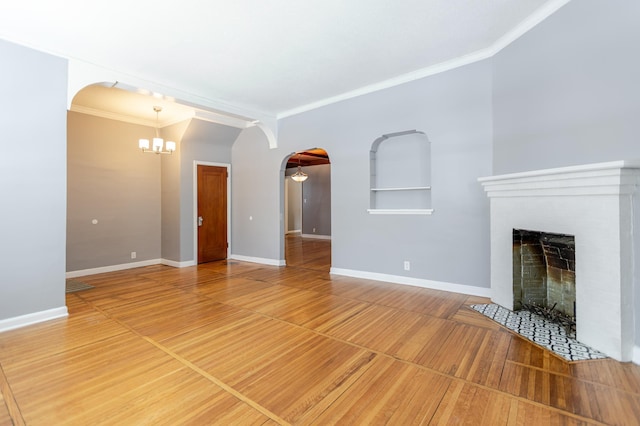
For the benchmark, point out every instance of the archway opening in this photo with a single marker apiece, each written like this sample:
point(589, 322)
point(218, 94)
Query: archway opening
point(307, 209)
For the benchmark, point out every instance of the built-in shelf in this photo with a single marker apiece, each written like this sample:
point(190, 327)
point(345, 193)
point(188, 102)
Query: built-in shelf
point(400, 181)
point(408, 188)
point(401, 211)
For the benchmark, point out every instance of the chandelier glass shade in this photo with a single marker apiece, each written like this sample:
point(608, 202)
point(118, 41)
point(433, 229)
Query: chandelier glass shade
point(299, 176)
point(158, 146)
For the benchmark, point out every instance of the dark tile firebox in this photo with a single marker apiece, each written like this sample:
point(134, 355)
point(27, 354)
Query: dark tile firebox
point(544, 270)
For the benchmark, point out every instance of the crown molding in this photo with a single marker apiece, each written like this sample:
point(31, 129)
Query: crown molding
point(190, 99)
point(111, 115)
point(211, 117)
point(532, 20)
point(392, 82)
point(479, 55)
point(227, 120)
point(128, 118)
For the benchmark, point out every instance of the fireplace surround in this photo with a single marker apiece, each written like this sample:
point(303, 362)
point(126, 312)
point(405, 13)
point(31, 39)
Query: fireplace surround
point(598, 205)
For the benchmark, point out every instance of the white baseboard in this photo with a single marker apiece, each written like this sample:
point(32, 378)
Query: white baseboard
point(123, 266)
point(295, 231)
point(416, 282)
point(635, 358)
point(272, 262)
point(112, 268)
point(317, 236)
point(176, 264)
point(33, 318)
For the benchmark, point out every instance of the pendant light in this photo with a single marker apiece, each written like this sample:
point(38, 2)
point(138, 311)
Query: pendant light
point(158, 142)
point(299, 176)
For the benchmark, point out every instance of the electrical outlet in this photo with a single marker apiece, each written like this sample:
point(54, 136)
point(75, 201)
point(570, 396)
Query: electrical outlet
point(407, 265)
point(133, 254)
point(314, 230)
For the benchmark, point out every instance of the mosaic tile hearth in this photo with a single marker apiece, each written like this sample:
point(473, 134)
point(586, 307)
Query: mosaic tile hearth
point(540, 331)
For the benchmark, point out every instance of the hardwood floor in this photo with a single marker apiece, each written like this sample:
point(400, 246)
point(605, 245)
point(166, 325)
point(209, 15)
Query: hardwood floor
point(240, 343)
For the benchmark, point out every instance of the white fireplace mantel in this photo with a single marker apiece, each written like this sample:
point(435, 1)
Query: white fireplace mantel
point(594, 203)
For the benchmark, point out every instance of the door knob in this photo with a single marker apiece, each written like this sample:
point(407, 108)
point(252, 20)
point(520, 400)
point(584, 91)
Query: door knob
point(200, 220)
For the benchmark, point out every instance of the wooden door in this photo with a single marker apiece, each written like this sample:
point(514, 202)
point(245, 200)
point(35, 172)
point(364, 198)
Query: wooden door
point(212, 213)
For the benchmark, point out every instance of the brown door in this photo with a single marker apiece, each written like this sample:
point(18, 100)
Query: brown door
point(212, 213)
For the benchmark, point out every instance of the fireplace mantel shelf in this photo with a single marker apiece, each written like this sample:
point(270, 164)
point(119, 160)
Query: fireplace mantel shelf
point(610, 178)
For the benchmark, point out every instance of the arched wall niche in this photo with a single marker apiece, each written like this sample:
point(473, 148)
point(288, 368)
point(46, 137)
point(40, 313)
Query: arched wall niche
point(400, 174)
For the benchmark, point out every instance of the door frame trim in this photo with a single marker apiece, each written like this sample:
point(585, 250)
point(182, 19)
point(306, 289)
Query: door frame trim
point(197, 163)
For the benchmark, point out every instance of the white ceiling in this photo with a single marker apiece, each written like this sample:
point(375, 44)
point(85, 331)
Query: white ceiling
point(273, 56)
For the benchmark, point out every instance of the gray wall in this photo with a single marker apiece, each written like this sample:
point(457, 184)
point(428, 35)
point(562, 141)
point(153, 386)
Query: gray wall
point(568, 91)
point(202, 141)
point(257, 206)
point(453, 109)
point(112, 181)
point(316, 200)
point(170, 189)
point(33, 88)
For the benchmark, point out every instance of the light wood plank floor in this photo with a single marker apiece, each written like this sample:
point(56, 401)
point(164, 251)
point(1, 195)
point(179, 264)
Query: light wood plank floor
point(240, 343)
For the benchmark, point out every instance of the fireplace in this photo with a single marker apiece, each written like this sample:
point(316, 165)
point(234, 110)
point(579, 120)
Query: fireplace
point(544, 271)
point(595, 205)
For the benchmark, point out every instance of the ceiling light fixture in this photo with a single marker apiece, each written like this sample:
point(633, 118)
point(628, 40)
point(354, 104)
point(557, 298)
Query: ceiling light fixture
point(158, 142)
point(299, 176)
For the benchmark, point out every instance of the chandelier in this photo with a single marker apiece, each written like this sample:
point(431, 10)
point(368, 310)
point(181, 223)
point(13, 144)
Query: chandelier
point(299, 176)
point(158, 142)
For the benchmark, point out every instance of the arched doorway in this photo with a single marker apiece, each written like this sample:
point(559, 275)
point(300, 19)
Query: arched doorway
point(307, 209)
